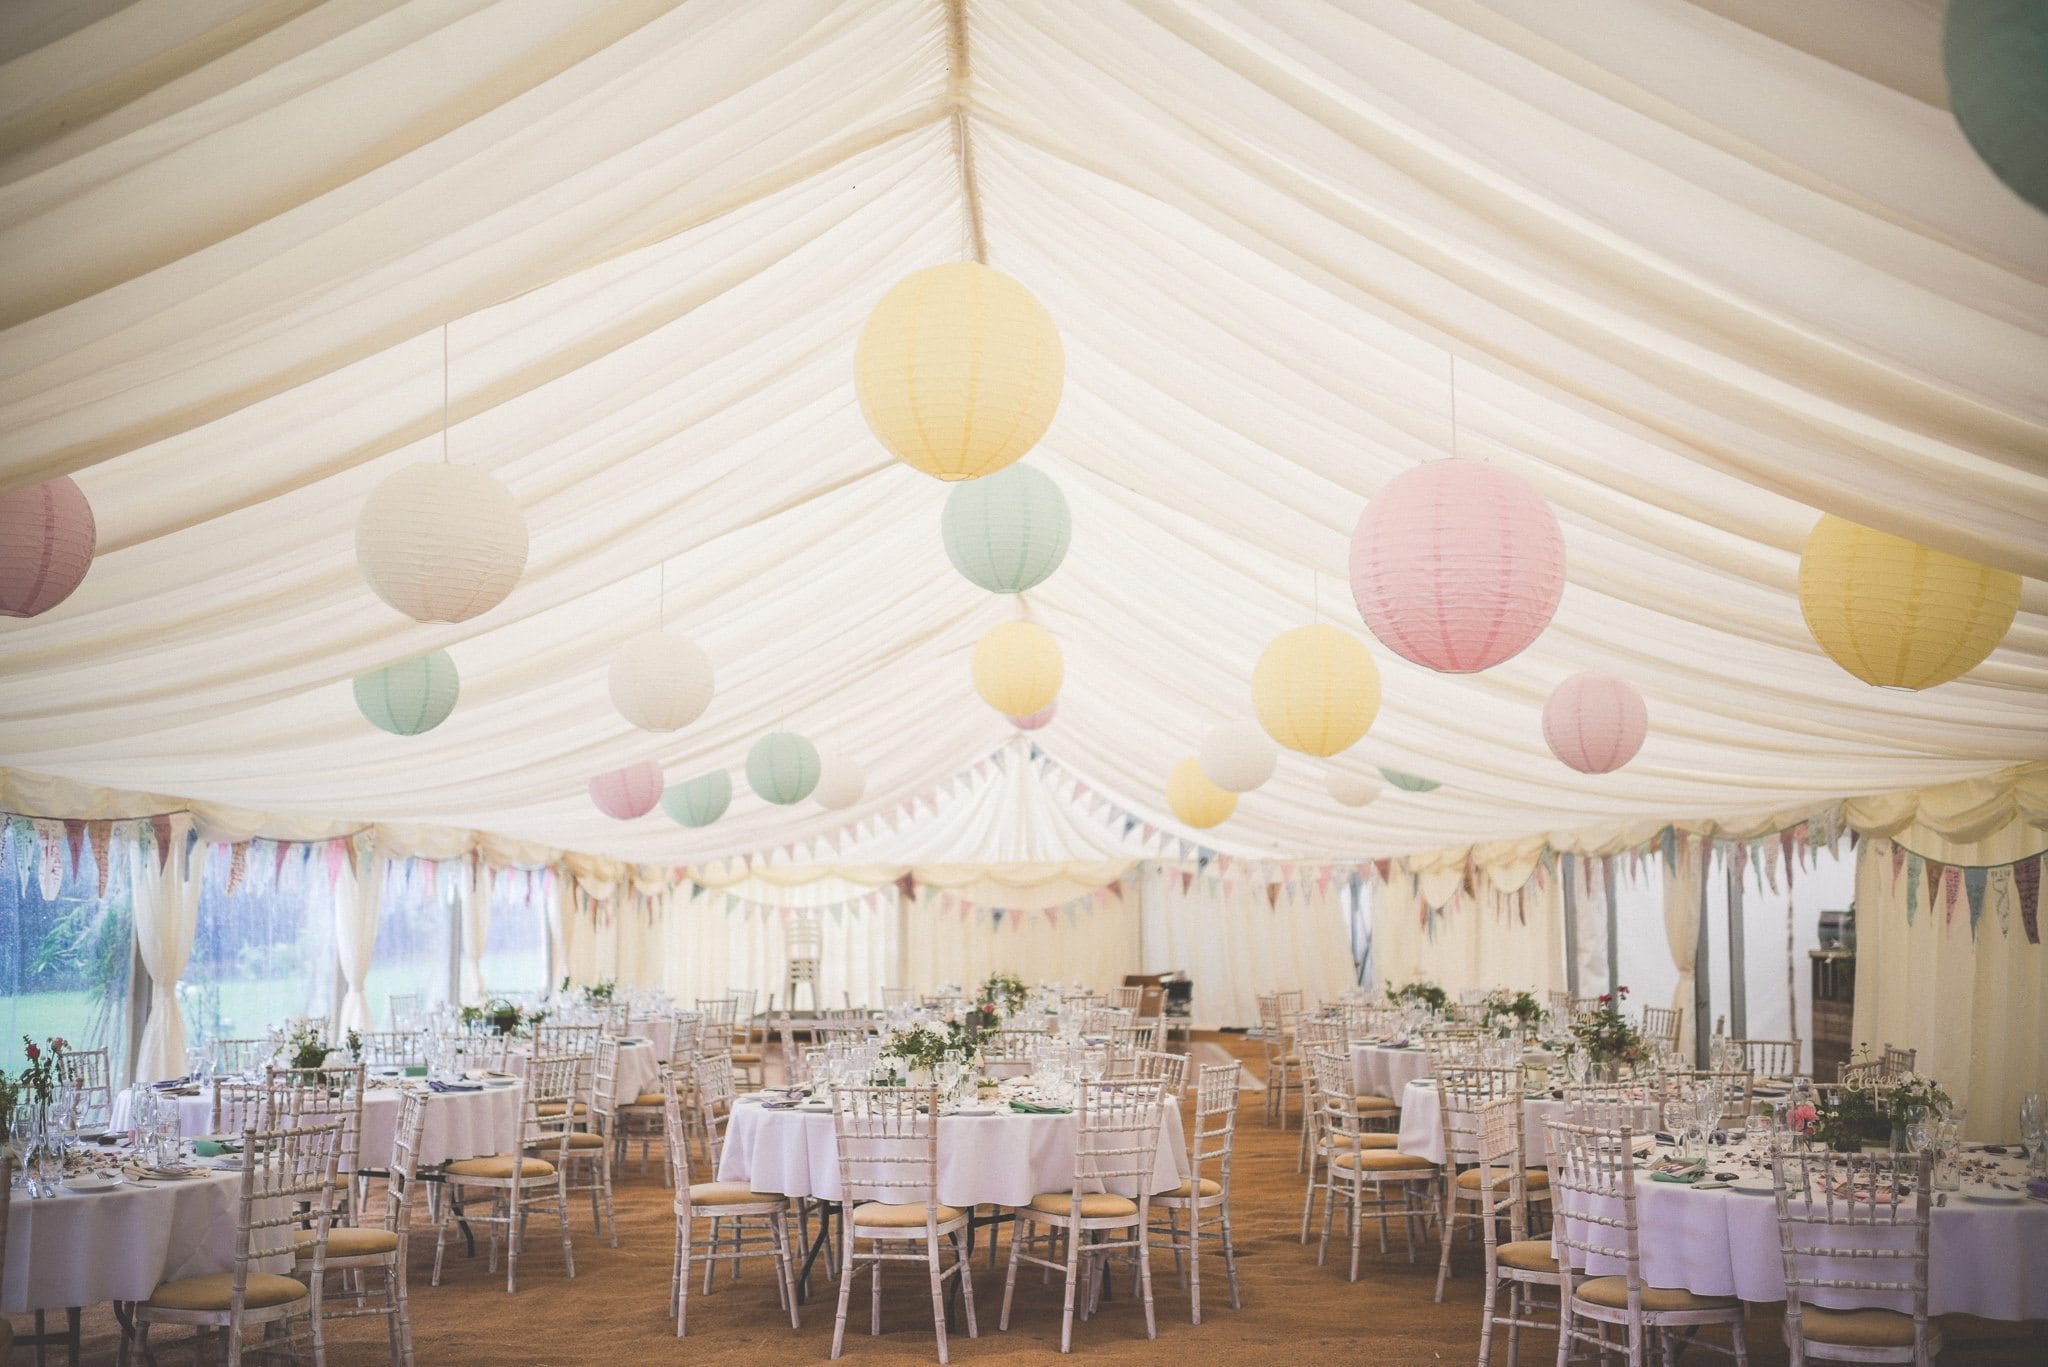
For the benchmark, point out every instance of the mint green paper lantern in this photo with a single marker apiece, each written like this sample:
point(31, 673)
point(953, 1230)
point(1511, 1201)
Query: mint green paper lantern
point(783, 768)
point(411, 696)
point(699, 801)
point(1008, 531)
point(1408, 783)
point(1995, 53)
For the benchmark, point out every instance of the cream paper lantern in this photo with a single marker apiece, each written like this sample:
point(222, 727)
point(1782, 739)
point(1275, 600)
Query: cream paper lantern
point(1238, 756)
point(660, 681)
point(1195, 800)
point(841, 783)
point(1017, 668)
point(1316, 690)
point(441, 543)
point(1350, 790)
point(958, 370)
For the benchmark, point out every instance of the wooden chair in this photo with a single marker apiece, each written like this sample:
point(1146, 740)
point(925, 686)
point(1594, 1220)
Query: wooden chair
point(1376, 1115)
point(1310, 1034)
point(1519, 1265)
point(1126, 998)
point(1829, 1202)
point(806, 944)
point(1210, 1144)
point(1170, 1071)
point(1897, 1061)
point(556, 1039)
point(1593, 1181)
point(888, 1143)
point(1136, 1036)
point(240, 1057)
point(749, 1062)
point(1355, 1163)
point(315, 1096)
point(1775, 1058)
point(237, 1105)
point(1663, 1025)
point(360, 1249)
point(1284, 1065)
point(403, 1010)
point(732, 1204)
point(287, 1185)
point(521, 1182)
point(1116, 1144)
point(1006, 1053)
point(87, 1073)
point(585, 1154)
point(394, 1048)
point(1462, 1094)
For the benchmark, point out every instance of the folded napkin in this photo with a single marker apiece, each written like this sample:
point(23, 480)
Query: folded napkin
point(214, 1148)
point(434, 1086)
point(416, 1070)
point(2037, 1187)
point(169, 1083)
point(1688, 1176)
point(1035, 1108)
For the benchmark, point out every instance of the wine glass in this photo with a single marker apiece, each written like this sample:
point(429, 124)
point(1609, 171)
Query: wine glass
point(1678, 1122)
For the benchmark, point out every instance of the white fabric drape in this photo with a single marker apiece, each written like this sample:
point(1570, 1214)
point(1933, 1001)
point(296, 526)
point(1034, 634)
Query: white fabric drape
point(476, 928)
point(712, 943)
point(358, 905)
point(561, 921)
point(1239, 943)
point(1973, 1001)
point(166, 917)
point(951, 940)
point(1682, 890)
point(1470, 942)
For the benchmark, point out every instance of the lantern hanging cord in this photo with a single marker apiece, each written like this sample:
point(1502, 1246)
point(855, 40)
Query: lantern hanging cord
point(963, 138)
point(444, 394)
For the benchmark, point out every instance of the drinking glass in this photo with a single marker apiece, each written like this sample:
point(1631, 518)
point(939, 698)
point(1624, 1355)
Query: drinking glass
point(1678, 1122)
point(1706, 1109)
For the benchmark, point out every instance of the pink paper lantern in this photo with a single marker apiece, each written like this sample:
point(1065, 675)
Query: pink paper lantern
point(1595, 722)
point(1031, 721)
point(629, 792)
point(1457, 565)
point(46, 544)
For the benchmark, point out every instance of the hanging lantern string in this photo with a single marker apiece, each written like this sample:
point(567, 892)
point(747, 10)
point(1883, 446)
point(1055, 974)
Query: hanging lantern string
point(963, 141)
point(444, 394)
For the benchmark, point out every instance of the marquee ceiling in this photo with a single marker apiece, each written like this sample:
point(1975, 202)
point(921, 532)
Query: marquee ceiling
point(1706, 269)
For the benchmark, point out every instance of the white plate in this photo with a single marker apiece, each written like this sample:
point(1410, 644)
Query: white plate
point(974, 1110)
point(816, 1108)
point(1993, 1198)
point(633, 1039)
point(1751, 1188)
point(499, 1081)
point(91, 1183)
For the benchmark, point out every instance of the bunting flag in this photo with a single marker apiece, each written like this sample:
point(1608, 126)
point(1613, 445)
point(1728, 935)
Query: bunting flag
point(1973, 888)
point(1951, 887)
point(2026, 880)
point(238, 864)
point(100, 835)
point(74, 842)
point(1898, 860)
point(160, 827)
point(1935, 869)
point(21, 844)
point(2001, 898)
point(337, 851)
point(1913, 863)
point(49, 858)
point(1669, 838)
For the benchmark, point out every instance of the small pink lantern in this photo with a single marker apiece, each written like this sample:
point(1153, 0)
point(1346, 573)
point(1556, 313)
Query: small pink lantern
point(629, 792)
point(1595, 722)
point(1031, 721)
point(1457, 565)
point(46, 545)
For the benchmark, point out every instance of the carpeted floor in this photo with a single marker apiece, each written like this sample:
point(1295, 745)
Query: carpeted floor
point(615, 1308)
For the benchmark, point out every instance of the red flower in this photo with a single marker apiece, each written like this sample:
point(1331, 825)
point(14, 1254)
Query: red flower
point(33, 1052)
point(60, 1044)
point(1603, 999)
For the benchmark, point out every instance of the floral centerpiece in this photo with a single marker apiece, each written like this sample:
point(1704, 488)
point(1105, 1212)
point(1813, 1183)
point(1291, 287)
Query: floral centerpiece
point(1519, 1007)
point(600, 993)
point(1605, 1034)
point(499, 1016)
point(1851, 1117)
point(36, 1085)
point(1005, 992)
point(307, 1047)
point(922, 1048)
point(1422, 993)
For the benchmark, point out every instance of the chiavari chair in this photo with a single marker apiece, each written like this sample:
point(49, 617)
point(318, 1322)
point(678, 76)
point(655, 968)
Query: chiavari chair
point(1877, 1206)
point(1518, 1264)
point(1769, 1058)
point(358, 1249)
point(1593, 1181)
point(1662, 1026)
point(402, 1009)
point(240, 1057)
point(731, 1204)
point(524, 1182)
point(585, 1154)
point(87, 1073)
point(1207, 1189)
point(1352, 1166)
point(888, 1143)
point(1284, 1065)
point(1462, 1094)
point(314, 1096)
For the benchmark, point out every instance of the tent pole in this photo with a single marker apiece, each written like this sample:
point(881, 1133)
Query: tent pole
point(1565, 869)
point(1703, 969)
point(1738, 974)
point(1613, 934)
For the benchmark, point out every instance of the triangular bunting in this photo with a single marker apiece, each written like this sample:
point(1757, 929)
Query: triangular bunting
point(1973, 890)
point(2026, 880)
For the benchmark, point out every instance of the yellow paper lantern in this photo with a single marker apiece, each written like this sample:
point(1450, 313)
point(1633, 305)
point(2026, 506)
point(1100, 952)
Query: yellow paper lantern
point(1898, 614)
point(959, 370)
point(1195, 800)
point(1315, 689)
point(1017, 668)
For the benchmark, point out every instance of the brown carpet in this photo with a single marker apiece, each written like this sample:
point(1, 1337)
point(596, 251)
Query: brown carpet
point(615, 1308)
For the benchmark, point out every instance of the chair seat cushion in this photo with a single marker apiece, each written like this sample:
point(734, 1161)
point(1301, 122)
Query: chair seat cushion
point(557, 1107)
point(501, 1166)
point(349, 1241)
point(883, 1215)
point(217, 1292)
point(1536, 1179)
point(1367, 1101)
point(1289, 1060)
point(746, 1058)
point(1382, 1160)
point(1612, 1292)
point(579, 1141)
point(1527, 1255)
point(1094, 1206)
point(1210, 1187)
point(648, 1099)
point(1859, 1328)
point(727, 1194)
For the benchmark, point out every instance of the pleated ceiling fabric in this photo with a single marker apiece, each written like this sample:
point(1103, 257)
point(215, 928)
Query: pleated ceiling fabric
point(1707, 271)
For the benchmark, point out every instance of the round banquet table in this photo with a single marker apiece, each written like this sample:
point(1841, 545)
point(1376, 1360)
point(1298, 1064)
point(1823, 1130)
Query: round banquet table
point(659, 1031)
point(1384, 1070)
point(84, 1248)
point(1989, 1260)
point(639, 1068)
point(1003, 1159)
point(1422, 1123)
point(459, 1124)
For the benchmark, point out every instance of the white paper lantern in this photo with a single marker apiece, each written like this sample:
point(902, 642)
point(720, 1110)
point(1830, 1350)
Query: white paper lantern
point(1238, 756)
point(660, 681)
point(441, 543)
point(1349, 789)
point(841, 783)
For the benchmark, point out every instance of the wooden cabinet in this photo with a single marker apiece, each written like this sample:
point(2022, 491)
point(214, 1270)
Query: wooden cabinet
point(1834, 1006)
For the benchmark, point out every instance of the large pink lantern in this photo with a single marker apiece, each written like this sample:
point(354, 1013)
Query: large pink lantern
point(1457, 565)
point(1595, 722)
point(628, 792)
point(46, 544)
point(1031, 721)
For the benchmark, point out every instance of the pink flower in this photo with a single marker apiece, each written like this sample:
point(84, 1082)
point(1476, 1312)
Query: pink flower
point(1803, 1118)
point(60, 1044)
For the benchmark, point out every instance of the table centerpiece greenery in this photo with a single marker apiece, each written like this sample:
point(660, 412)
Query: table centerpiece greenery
point(1519, 1007)
point(1422, 993)
point(1605, 1034)
point(499, 1016)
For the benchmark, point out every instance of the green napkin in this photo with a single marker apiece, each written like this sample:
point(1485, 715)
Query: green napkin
point(1033, 1108)
point(213, 1148)
point(1688, 1177)
point(416, 1070)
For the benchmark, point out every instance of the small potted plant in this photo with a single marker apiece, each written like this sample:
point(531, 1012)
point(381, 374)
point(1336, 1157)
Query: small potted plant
point(1607, 1038)
point(985, 1088)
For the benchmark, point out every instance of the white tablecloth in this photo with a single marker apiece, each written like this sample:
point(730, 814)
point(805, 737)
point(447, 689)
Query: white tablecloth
point(1377, 1070)
point(1003, 1159)
point(1422, 1124)
point(119, 1244)
point(1986, 1260)
point(656, 1030)
point(639, 1069)
point(458, 1124)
